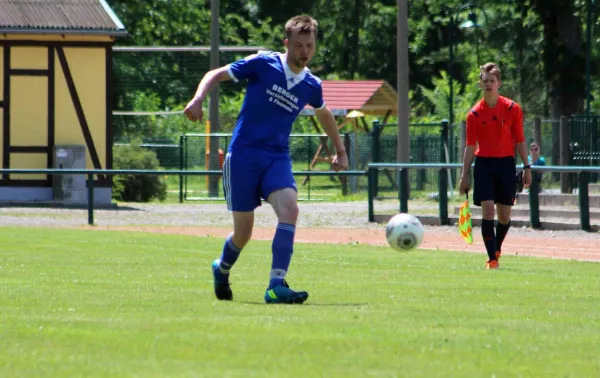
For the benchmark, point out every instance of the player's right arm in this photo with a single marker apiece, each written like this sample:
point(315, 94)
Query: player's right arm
point(247, 68)
point(193, 110)
point(469, 154)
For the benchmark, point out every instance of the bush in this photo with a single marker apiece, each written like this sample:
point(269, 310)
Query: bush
point(137, 188)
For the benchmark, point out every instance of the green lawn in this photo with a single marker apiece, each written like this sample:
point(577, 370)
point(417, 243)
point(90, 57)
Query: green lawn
point(117, 304)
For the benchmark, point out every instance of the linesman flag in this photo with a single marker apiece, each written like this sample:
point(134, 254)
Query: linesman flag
point(464, 222)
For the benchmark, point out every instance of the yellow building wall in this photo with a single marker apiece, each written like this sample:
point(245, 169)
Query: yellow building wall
point(1, 136)
point(88, 69)
point(2, 77)
point(29, 101)
point(33, 58)
point(28, 161)
point(28, 112)
point(1, 109)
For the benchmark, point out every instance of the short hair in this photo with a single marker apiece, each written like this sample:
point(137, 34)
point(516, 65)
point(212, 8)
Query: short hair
point(489, 68)
point(302, 24)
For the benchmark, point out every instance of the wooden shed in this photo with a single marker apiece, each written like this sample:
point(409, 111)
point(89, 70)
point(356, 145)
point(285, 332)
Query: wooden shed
point(350, 101)
point(55, 96)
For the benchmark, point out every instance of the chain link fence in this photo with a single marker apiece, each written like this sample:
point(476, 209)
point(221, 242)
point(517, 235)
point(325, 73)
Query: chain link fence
point(429, 143)
point(313, 152)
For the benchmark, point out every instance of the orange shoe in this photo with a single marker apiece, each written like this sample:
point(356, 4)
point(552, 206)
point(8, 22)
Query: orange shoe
point(498, 254)
point(492, 264)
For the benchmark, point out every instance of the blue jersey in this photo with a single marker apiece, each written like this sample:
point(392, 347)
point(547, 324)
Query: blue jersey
point(274, 97)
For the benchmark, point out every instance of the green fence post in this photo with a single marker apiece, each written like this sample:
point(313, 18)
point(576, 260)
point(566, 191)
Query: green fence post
point(443, 141)
point(370, 187)
point(309, 139)
point(403, 190)
point(375, 152)
point(584, 201)
point(90, 183)
point(534, 201)
point(443, 193)
point(186, 165)
point(181, 168)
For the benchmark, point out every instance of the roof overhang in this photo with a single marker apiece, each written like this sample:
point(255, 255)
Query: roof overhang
point(53, 31)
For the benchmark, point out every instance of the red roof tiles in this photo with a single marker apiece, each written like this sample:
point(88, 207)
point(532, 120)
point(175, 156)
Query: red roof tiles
point(368, 96)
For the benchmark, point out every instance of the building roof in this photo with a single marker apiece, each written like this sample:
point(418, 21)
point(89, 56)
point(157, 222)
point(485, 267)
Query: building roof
point(374, 97)
point(59, 16)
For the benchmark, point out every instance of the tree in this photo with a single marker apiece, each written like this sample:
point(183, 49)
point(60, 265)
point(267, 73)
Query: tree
point(563, 55)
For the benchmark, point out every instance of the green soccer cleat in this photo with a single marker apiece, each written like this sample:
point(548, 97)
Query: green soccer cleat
point(283, 294)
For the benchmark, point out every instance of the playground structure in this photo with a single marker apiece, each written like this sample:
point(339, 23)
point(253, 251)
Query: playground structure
point(350, 101)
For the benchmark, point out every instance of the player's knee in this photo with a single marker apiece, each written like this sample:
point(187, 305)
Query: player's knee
point(503, 217)
point(241, 237)
point(487, 210)
point(288, 213)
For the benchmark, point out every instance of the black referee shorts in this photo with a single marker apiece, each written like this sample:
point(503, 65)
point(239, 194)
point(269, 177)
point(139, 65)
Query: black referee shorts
point(494, 179)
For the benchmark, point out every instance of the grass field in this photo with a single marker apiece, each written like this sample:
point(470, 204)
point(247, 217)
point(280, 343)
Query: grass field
point(116, 304)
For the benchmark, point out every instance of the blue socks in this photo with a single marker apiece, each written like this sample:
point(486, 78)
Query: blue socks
point(283, 248)
point(489, 237)
point(229, 255)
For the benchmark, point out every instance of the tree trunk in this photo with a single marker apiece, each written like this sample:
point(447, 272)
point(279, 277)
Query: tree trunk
point(354, 38)
point(564, 56)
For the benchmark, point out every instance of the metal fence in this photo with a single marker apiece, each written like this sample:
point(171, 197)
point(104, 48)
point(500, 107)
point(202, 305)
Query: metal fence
point(585, 140)
point(581, 173)
point(429, 143)
point(313, 152)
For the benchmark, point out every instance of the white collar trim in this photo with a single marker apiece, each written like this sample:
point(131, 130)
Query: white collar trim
point(291, 78)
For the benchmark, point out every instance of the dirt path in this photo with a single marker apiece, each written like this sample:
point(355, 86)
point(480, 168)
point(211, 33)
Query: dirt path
point(318, 223)
point(562, 245)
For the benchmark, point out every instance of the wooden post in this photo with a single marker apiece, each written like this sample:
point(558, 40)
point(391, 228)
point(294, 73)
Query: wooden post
point(402, 68)
point(213, 106)
point(565, 182)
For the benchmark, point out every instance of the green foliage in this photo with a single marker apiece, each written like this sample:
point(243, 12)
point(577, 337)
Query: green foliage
point(357, 40)
point(438, 98)
point(137, 188)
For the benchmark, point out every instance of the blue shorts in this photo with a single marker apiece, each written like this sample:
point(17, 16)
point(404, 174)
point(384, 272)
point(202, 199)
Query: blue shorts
point(494, 180)
point(249, 176)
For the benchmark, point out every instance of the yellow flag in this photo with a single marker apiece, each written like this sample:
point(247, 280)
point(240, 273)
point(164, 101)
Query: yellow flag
point(464, 222)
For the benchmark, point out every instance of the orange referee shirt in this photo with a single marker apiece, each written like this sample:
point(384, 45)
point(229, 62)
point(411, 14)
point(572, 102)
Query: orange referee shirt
point(495, 130)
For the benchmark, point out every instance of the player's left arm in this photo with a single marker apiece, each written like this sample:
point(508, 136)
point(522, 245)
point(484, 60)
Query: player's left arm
point(326, 119)
point(330, 127)
point(519, 137)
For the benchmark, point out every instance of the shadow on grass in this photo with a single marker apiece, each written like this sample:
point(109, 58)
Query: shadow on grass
point(310, 304)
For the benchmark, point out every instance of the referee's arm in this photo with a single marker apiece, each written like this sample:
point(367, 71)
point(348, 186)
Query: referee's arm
point(520, 143)
point(469, 153)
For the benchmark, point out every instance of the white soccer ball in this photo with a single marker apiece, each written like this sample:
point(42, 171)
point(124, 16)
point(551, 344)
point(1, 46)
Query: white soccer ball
point(404, 232)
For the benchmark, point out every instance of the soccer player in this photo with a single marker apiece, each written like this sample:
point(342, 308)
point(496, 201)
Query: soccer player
point(258, 164)
point(494, 128)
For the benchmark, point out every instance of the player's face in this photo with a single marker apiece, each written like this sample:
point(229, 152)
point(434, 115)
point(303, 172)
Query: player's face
point(489, 84)
point(301, 48)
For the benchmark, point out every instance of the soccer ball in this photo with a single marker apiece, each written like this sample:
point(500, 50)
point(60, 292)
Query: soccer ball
point(404, 232)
